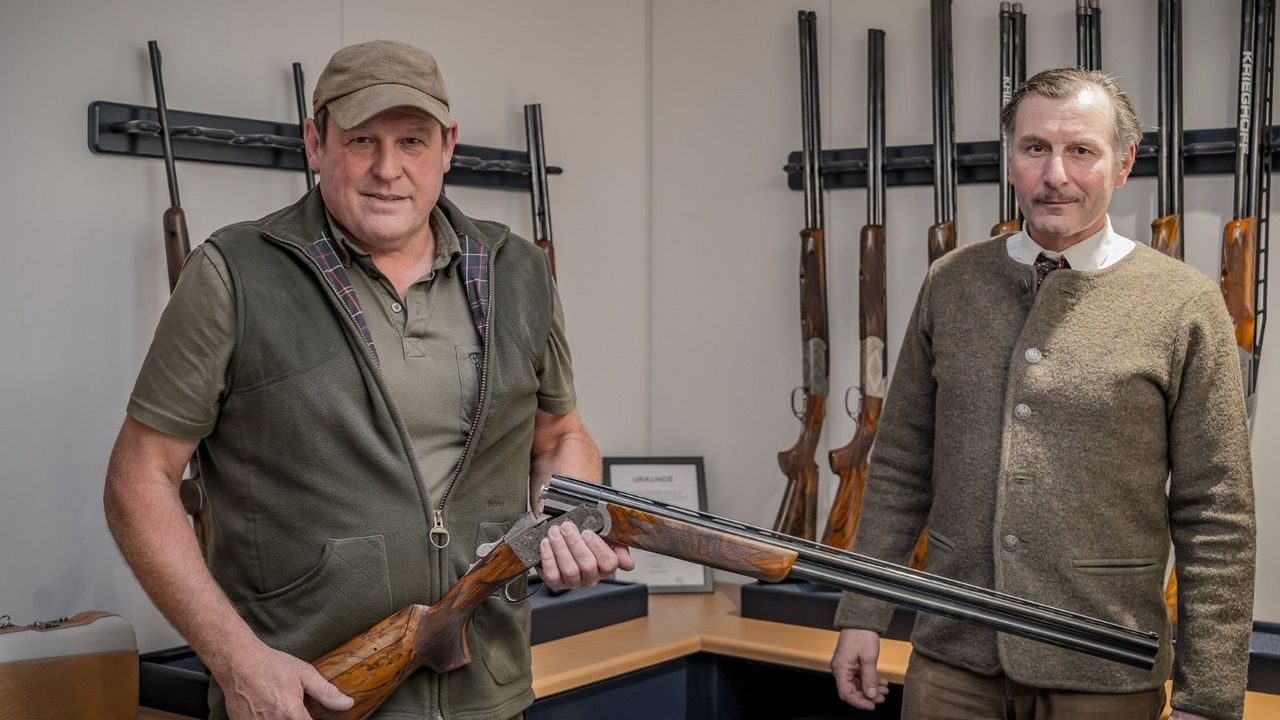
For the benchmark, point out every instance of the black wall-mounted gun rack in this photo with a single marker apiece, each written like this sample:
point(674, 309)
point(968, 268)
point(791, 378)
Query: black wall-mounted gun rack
point(122, 129)
point(1206, 152)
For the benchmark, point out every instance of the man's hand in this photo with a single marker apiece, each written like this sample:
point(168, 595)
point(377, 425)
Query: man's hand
point(573, 558)
point(854, 665)
point(265, 683)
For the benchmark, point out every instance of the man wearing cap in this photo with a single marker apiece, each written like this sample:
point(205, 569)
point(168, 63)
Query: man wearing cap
point(375, 384)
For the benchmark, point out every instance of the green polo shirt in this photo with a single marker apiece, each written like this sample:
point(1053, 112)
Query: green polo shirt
point(428, 351)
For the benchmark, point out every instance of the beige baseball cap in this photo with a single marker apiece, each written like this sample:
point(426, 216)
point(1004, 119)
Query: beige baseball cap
point(364, 79)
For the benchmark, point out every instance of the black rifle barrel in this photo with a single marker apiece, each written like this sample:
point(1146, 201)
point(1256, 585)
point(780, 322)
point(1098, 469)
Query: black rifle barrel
point(537, 172)
point(1164, 130)
point(894, 583)
point(1095, 35)
point(950, 74)
point(939, 178)
point(1176, 141)
point(1083, 18)
point(1006, 93)
point(875, 128)
point(1019, 46)
point(1243, 189)
point(300, 96)
point(1264, 10)
point(166, 142)
point(806, 127)
point(815, 119)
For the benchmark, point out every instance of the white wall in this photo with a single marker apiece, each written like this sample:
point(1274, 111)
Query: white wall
point(676, 236)
point(726, 336)
point(83, 275)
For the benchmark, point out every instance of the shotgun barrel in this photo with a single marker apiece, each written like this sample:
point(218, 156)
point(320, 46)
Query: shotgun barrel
point(640, 522)
point(1095, 35)
point(1166, 229)
point(942, 234)
point(540, 200)
point(1008, 208)
point(300, 97)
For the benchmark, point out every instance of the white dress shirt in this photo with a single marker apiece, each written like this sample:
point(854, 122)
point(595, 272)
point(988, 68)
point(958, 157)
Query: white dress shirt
point(1102, 249)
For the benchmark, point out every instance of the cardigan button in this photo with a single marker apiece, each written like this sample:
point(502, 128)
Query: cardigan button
point(1022, 411)
point(1033, 355)
point(1010, 542)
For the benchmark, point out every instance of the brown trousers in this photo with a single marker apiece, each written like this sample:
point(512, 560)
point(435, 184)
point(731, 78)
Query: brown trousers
point(934, 690)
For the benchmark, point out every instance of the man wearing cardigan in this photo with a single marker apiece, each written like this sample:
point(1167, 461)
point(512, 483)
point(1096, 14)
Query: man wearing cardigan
point(1066, 403)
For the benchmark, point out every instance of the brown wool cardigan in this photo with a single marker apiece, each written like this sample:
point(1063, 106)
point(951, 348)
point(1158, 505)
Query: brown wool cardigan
point(1034, 432)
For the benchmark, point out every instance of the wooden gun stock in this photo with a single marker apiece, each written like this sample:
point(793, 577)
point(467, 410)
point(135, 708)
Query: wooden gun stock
point(798, 515)
point(1165, 236)
point(849, 462)
point(942, 239)
point(1239, 279)
point(371, 665)
point(1002, 228)
point(177, 244)
point(550, 249)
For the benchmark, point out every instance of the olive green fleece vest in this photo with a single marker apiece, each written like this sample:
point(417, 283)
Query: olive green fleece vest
point(321, 526)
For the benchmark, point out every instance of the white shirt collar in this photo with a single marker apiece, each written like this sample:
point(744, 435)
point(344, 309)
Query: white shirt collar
point(1102, 249)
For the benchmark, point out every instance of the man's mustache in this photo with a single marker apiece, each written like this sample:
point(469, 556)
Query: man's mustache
point(1054, 197)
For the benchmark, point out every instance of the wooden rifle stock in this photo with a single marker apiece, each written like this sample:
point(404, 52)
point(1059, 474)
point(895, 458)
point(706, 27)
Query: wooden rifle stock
point(1165, 236)
point(942, 239)
point(798, 514)
point(370, 666)
point(1239, 280)
point(849, 462)
point(177, 244)
point(1006, 227)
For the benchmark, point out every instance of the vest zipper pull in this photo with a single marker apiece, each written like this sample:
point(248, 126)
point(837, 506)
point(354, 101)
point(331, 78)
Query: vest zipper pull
point(439, 534)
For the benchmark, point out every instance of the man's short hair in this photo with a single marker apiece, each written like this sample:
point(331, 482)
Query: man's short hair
point(1061, 83)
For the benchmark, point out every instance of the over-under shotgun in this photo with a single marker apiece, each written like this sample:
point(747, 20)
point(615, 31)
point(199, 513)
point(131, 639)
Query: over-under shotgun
point(370, 666)
point(798, 513)
point(849, 462)
point(177, 245)
point(539, 199)
point(1244, 239)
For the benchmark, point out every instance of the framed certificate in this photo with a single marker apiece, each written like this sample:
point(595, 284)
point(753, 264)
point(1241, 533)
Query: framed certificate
point(675, 481)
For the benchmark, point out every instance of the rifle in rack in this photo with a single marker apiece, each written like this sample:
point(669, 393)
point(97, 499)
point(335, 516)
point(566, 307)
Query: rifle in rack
point(538, 182)
point(1166, 229)
point(1244, 240)
point(300, 96)
point(177, 245)
point(849, 463)
point(798, 513)
point(370, 666)
point(942, 234)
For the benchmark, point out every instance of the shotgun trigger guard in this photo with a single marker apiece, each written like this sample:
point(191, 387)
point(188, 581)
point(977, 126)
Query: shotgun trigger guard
point(798, 409)
point(853, 412)
point(505, 595)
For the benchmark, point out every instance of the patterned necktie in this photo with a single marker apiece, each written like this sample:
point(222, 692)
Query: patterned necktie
point(1045, 265)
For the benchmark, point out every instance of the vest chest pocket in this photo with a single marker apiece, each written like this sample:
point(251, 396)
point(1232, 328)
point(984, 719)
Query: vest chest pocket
point(470, 365)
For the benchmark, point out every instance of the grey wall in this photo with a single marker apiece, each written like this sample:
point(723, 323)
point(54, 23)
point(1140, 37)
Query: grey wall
point(675, 234)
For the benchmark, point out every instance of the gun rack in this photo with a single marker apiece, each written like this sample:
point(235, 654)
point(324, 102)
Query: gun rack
point(121, 129)
point(1206, 152)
